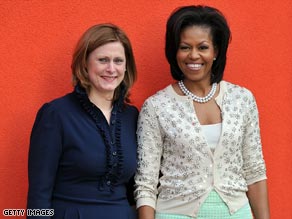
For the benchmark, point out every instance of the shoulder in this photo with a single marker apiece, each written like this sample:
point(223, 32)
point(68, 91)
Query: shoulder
point(162, 96)
point(63, 102)
point(130, 110)
point(51, 113)
point(60, 105)
point(235, 91)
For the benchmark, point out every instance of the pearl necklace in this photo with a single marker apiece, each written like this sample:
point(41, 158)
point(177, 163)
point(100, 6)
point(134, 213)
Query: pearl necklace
point(195, 97)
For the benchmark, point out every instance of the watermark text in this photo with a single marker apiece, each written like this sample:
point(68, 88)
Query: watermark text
point(28, 212)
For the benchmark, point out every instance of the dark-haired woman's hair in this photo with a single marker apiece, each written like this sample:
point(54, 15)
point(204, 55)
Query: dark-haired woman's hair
point(203, 16)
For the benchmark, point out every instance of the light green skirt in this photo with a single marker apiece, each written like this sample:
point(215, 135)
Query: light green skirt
point(213, 208)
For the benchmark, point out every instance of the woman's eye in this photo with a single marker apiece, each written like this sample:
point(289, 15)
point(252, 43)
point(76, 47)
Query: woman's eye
point(103, 60)
point(118, 61)
point(184, 48)
point(203, 47)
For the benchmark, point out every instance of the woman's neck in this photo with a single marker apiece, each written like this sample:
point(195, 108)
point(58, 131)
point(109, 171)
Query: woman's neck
point(103, 102)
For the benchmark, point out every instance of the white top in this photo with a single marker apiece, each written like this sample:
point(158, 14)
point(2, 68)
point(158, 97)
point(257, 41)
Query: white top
point(174, 154)
point(212, 134)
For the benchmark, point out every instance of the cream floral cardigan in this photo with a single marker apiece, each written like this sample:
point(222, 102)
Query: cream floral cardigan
point(176, 168)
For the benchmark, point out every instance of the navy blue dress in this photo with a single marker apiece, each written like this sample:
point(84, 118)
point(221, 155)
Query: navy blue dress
point(79, 165)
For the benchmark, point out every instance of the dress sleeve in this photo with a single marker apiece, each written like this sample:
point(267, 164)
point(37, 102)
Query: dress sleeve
point(43, 158)
point(254, 164)
point(149, 155)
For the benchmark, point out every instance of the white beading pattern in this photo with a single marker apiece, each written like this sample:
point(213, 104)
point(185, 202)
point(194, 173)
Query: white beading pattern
point(195, 97)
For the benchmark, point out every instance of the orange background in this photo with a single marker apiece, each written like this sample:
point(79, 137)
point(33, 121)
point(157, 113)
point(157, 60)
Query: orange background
point(37, 39)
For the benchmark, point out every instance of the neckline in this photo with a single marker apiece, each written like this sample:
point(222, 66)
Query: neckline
point(221, 86)
point(212, 125)
point(113, 172)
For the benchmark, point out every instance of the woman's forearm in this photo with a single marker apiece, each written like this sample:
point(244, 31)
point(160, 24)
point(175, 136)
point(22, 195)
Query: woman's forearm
point(146, 212)
point(258, 199)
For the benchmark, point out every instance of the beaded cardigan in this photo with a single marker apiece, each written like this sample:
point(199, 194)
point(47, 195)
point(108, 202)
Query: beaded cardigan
point(176, 168)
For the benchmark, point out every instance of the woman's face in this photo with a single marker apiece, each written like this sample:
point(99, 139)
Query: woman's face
point(106, 66)
point(196, 53)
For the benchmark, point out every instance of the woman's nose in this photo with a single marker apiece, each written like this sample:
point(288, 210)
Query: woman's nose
point(111, 67)
point(194, 54)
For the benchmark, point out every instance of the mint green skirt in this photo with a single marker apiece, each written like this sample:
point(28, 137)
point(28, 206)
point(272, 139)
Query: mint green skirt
point(213, 208)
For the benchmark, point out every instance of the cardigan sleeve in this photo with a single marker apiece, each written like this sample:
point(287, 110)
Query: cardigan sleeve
point(254, 164)
point(44, 154)
point(149, 156)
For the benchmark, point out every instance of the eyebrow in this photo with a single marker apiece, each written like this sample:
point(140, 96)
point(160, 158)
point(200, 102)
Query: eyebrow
point(198, 43)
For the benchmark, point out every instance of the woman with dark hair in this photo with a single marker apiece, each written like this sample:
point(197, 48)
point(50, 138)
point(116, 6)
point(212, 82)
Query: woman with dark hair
point(82, 153)
point(199, 145)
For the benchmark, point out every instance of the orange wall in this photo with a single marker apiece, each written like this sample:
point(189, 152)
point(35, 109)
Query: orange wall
point(36, 43)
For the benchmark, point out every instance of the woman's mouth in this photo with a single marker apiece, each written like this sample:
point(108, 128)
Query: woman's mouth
point(195, 66)
point(109, 78)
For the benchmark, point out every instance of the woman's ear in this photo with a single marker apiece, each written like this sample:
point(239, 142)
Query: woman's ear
point(215, 52)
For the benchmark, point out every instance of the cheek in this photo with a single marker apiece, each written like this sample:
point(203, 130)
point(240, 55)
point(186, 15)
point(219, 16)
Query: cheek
point(211, 60)
point(179, 58)
point(95, 68)
point(122, 73)
point(121, 69)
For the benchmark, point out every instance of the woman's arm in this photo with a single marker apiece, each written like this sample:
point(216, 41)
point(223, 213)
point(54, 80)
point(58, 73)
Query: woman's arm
point(254, 164)
point(258, 199)
point(149, 152)
point(146, 212)
point(43, 160)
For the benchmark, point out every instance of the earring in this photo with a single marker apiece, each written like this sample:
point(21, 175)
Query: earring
point(214, 59)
